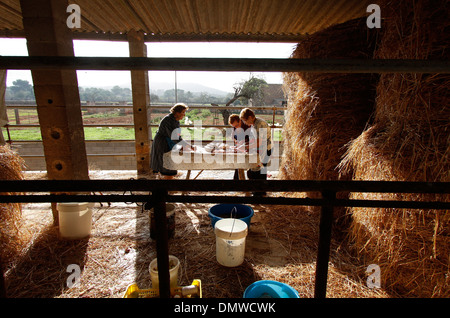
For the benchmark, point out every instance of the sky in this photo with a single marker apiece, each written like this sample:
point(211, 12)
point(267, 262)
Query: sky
point(219, 80)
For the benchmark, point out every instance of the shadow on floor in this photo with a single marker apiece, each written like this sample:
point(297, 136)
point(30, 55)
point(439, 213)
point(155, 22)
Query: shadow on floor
point(43, 271)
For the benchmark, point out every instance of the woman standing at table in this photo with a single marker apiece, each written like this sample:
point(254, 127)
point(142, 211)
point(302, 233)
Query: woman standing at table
point(167, 136)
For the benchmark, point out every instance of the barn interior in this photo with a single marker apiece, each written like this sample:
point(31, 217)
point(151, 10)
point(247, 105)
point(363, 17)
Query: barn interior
point(364, 103)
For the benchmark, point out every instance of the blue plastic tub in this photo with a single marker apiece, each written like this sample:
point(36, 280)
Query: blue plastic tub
point(270, 289)
point(236, 211)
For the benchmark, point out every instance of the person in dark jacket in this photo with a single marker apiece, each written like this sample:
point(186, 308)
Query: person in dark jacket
point(167, 136)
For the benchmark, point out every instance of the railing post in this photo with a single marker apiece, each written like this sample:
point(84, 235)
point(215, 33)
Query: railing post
point(162, 245)
point(323, 253)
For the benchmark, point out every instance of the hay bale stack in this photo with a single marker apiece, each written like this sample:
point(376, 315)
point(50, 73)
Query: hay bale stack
point(11, 238)
point(409, 141)
point(327, 110)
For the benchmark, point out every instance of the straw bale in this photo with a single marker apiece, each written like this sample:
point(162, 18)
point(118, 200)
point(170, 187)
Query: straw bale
point(12, 237)
point(410, 246)
point(325, 111)
point(409, 141)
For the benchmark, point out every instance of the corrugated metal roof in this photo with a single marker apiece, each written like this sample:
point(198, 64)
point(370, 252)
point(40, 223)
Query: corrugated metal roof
point(202, 19)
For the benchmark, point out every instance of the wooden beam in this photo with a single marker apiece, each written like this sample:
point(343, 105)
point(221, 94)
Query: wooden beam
point(56, 91)
point(3, 113)
point(228, 64)
point(141, 102)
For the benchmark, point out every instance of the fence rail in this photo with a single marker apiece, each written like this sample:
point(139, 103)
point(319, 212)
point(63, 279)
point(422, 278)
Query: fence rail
point(275, 111)
point(158, 196)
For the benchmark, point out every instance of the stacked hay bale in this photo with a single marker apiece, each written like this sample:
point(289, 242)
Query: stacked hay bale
point(408, 141)
point(11, 236)
point(326, 110)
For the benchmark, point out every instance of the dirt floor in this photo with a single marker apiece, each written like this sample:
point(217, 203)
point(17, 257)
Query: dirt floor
point(281, 245)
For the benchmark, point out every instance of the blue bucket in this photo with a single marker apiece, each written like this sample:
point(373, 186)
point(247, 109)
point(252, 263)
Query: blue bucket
point(270, 289)
point(236, 211)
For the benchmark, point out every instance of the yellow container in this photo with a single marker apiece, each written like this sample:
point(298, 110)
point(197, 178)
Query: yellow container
point(133, 291)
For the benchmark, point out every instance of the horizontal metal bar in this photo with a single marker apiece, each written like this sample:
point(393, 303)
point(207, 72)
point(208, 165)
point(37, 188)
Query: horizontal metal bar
point(157, 107)
point(85, 125)
point(86, 140)
point(132, 125)
point(129, 198)
point(89, 155)
point(223, 185)
point(225, 64)
point(114, 141)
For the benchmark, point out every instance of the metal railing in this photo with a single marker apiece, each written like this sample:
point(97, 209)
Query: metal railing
point(273, 109)
point(36, 191)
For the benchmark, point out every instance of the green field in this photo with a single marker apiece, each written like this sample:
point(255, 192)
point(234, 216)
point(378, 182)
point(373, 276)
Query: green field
point(100, 133)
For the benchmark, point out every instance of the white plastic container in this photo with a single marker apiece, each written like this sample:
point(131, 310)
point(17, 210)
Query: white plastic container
point(75, 219)
point(230, 241)
point(174, 266)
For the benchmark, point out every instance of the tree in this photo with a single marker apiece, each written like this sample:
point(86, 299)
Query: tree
point(154, 98)
point(245, 90)
point(21, 90)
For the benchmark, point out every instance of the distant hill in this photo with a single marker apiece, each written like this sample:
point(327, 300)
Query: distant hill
point(159, 87)
point(192, 87)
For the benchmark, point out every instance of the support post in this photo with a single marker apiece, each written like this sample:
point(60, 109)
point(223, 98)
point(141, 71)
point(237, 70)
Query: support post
point(141, 103)
point(3, 113)
point(323, 253)
point(56, 91)
point(162, 242)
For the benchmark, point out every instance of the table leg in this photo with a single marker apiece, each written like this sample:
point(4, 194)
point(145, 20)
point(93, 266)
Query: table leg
point(241, 174)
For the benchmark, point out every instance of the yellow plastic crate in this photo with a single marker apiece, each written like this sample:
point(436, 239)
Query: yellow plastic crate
point(133, 291)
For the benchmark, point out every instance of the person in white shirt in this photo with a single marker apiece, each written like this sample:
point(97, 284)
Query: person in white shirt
point(262, 143)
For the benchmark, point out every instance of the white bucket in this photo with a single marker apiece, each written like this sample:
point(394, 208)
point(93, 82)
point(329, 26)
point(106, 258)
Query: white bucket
point(230, 241)
point(75, 219)
point(174, 266)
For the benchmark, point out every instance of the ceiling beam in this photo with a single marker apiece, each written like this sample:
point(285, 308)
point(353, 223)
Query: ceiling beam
point(225, 64)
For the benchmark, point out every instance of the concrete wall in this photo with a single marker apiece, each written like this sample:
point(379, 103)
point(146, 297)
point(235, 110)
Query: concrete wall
point(124, 152)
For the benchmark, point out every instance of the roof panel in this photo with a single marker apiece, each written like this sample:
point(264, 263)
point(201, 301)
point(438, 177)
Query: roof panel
point(202, 18)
